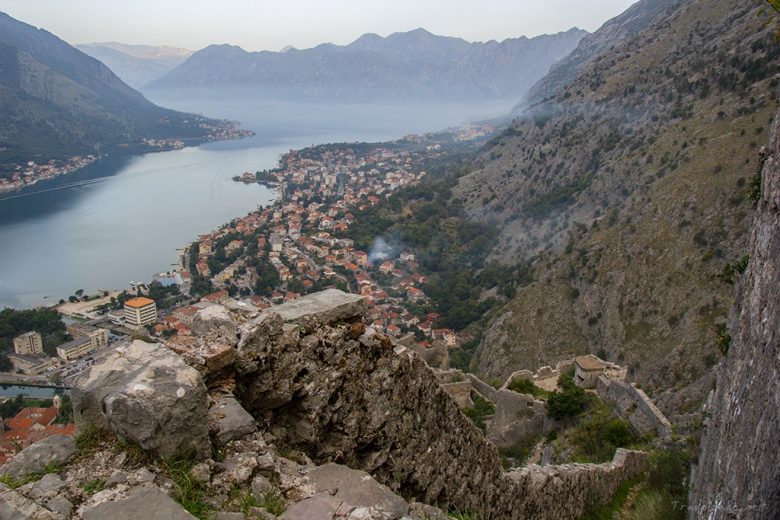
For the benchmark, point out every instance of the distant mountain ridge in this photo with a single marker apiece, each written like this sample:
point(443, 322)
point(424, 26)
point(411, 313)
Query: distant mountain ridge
point(57, 102)
point(410, 65)
point(137, 65)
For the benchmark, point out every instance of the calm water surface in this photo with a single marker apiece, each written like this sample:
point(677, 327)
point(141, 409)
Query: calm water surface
point(123, 218)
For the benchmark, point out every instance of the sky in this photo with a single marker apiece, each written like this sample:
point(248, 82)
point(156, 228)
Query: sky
point(273, 24)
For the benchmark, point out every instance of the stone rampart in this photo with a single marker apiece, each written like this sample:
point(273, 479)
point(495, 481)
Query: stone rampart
point(635, 406)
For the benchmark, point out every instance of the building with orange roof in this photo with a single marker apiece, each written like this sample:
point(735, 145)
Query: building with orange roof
point(30, 425)
point(140, 312)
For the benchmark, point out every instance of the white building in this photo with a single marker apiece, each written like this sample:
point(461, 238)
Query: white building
point(29, 344)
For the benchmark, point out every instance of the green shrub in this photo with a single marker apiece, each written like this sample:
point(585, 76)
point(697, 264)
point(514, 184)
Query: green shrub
point(526, 386)
point(478, 412)
point(519, 452)
point(669, 471)
point(569, 402)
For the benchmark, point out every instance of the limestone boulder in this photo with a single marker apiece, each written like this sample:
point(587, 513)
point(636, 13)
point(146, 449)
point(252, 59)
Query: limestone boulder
point(47, 487)
point(231, 420)
point(54, 450)
point(147, 502)
point(357, 489)
point(14, 506)
point(321, 308)
point(212, 319)
point(147, 394)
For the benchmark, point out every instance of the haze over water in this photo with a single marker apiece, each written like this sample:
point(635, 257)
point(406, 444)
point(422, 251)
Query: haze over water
point(123, 218)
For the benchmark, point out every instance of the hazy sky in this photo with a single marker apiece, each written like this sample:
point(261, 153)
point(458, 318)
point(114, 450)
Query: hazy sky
point(267, 24)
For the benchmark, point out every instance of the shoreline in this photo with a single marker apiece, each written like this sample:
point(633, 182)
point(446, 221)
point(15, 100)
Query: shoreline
point(148, 147)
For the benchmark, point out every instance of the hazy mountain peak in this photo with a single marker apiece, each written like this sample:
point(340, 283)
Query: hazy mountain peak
point(147, 52)
point(405, 65)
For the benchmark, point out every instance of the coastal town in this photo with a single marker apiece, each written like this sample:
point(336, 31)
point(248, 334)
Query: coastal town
point(15, 177)
point(300, 244)
point(303, 244)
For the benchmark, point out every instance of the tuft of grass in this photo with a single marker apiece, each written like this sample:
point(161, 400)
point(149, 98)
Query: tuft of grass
point(463, 515)
point(274, 503)
point(248, 501)
point(14, 483)
point(136, 455)
point(88, 438)
point(94, 486)
point(189, 492)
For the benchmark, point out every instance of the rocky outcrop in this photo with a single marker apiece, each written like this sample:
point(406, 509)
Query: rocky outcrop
point(343, 393)
point(146, 394)
point(739, 470)
point(361, 421)
point(52, 451)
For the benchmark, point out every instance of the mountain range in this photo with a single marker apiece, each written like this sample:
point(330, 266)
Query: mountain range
point(414, 65)
point(136, 65)
point(57, 102)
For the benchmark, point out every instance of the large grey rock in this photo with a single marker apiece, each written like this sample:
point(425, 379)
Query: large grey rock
point(61, 505)
point(232, 420)
point(47, 487)
point(213, 318)
point(57, 449)
point(148, 503)
point(145, 393)
point(13, 506)
point(357, 488)
point(319, 507)
point(321, 308)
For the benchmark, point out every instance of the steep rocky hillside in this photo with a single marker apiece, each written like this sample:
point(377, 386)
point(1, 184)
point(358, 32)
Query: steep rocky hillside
point(629, 191)
point(634, 20)
point(739, 470)
point(411, 65)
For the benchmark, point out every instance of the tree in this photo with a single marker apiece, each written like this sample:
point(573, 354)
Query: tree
point(567, 403)
point(5, 363)
point(65, 414)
